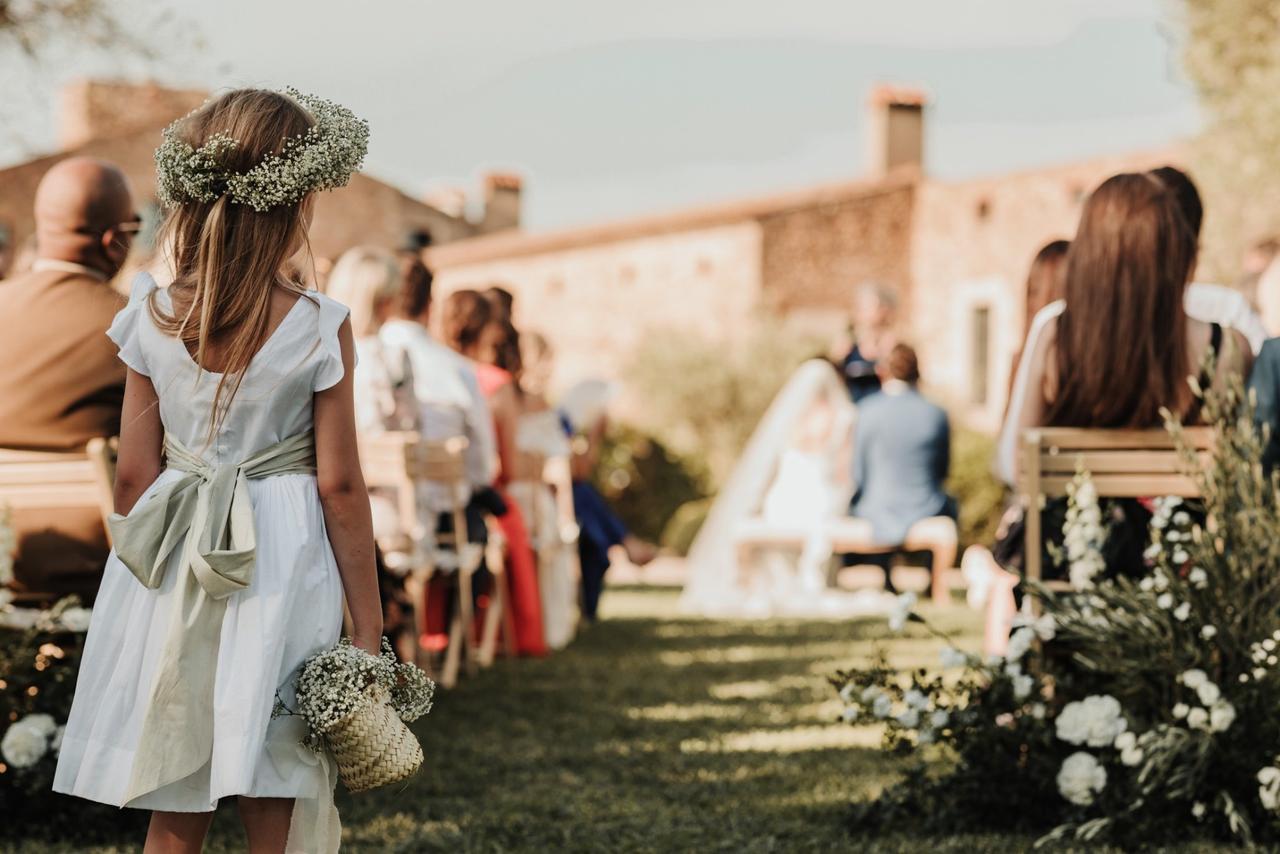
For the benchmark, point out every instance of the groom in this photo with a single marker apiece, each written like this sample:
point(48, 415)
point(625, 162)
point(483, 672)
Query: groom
point(60, 381)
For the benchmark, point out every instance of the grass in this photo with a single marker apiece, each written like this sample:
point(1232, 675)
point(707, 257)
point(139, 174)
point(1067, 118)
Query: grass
point(652, 733)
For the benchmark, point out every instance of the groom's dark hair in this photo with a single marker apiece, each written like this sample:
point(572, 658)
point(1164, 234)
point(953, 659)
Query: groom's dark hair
point(902, 364)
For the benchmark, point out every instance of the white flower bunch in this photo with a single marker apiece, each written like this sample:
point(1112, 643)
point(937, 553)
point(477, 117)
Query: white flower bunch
point(1097, 721)
point(322, 158)
point(28, 740)
point(1214, 714)
point(903, 609)
point(1269, 787)
point(1081, 778)
point(1083, 534)
point(332, 685)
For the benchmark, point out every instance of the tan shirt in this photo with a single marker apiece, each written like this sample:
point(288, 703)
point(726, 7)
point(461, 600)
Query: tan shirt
point(61, 383)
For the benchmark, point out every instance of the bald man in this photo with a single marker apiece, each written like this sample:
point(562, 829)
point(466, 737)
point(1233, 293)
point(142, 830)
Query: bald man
point(60, 381)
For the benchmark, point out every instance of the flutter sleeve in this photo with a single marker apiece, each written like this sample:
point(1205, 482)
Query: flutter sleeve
point(329, 372)
point(125, 328)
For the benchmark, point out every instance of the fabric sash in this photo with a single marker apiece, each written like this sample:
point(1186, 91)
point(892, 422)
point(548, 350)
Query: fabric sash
point(207, 514)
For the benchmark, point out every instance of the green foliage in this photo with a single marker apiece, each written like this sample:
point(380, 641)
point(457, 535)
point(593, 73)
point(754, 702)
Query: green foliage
point(644, 481)
point(979, 493)
point(703, 398)
point(680, 532)
point(1232, 55)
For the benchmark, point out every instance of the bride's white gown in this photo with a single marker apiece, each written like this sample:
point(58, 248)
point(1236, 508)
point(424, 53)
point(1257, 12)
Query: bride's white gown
point(790, 483)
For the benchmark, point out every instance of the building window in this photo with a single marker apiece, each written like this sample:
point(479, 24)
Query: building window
point(980, 367)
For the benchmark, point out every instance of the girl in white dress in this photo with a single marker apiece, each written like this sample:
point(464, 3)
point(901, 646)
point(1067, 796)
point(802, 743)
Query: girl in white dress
point(247, 516)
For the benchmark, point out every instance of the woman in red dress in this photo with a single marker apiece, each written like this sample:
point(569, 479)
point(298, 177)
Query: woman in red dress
point(468, 327)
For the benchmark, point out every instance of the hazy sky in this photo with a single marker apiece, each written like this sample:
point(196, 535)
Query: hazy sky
point(611, 108)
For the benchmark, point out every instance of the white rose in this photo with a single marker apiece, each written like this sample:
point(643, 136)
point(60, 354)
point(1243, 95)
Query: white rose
point(1208, 632)
point(1259, 672)
point(1198, 578)
point(1081, 778)
point(1193, 679)
point(1125, 740)
point(1180, 710)
point(1197, 718)
point(1221, 716)
point(1131, 757)
point(1023, 686)
point(1269, 791)
point(1165, 600)
point(1180, 556)
point(23, 745)
point(42, 723)
point(1037, 711)
point(1146, 584)
point(1182, 611)
point(1208, 693)
point(1198, 810)
point(76, 619)
point(1095, 721)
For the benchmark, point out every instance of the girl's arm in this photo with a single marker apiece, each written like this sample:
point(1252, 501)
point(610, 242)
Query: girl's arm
point(345, 500)
point(141, 442)
point(506, 412)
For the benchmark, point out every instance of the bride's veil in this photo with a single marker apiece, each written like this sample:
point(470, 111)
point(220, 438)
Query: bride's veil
point(711, 585)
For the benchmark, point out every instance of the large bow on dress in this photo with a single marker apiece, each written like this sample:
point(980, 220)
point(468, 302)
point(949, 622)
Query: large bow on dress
point(208, 515)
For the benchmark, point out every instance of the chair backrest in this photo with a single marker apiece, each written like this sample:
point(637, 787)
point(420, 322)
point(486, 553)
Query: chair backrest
point(403, 461)
point(1121, 463)
point(52, 480)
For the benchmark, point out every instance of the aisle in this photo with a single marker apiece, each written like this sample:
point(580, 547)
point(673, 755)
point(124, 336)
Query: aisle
point(651, 733)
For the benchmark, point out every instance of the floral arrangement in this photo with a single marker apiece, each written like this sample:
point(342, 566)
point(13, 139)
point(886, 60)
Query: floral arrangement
point(322, 158)
point(1137, 710)
point(39, 657)
point(332, 684)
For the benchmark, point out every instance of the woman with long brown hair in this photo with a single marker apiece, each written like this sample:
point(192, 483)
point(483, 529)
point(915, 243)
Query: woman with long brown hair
point(247, 515)
point(1124, 348)
point(468, 327)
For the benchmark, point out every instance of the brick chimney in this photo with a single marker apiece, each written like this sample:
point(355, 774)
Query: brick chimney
point(896, 130)
point(94, 109)
point(501, 201)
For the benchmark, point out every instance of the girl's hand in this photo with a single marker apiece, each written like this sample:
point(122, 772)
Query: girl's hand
point(370, 643)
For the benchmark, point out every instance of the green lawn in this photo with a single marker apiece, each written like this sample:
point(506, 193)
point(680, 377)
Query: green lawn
point(651, 733)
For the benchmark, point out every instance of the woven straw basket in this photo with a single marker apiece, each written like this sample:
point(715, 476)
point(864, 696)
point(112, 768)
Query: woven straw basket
point(372, 746)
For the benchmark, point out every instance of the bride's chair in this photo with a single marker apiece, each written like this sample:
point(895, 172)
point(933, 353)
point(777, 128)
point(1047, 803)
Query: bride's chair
point(936, 535)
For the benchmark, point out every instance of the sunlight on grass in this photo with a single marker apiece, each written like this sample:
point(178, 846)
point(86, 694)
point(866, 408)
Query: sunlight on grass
point(748, 653)
point(792, 740)
point(759, 688)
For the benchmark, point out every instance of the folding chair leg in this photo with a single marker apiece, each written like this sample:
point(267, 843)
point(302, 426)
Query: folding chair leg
point(452, 655)
point(508, 618)
point(492, 621)
point(415, 588)
point(467, 615)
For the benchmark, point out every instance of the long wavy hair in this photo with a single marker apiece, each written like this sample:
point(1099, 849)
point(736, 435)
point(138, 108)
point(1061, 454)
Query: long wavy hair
point(228, 258)
point(1121, 351)
point(366, 280)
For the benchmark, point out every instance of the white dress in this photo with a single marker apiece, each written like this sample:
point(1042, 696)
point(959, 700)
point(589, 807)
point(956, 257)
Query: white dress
point(291, 609)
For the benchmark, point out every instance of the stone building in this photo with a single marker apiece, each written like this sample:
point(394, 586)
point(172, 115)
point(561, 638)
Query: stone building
point(121, 122)
point(956, 253)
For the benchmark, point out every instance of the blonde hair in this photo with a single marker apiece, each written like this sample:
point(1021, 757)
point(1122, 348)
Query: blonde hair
point(364, 278)
point(228, 258)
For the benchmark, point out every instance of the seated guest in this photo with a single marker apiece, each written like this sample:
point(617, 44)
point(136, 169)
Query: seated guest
point(469, 330)
point(62, 383)
point(603, 538)
point(901, 453)
point(366, 279)
point(1123, 347)
point(1202, 303)
point(1043, 287)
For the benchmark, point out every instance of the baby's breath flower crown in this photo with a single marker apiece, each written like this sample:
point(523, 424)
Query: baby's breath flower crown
point(323, 158)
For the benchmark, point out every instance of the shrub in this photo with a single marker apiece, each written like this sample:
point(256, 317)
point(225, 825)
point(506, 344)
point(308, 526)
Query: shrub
point(680, 532)
point(644, 481)
point(979, 493)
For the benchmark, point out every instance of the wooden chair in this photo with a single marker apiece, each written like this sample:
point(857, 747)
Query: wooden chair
point(1121, 463)
point(403, 463)
point(54, 480)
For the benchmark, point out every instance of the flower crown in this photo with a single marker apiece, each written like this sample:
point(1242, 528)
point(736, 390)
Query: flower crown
point(323, 158)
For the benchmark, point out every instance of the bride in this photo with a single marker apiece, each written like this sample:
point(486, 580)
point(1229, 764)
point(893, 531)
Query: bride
point(765, 546)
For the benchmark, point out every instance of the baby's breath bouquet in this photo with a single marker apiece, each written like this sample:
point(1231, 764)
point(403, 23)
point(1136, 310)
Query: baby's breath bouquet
point(335, 683)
